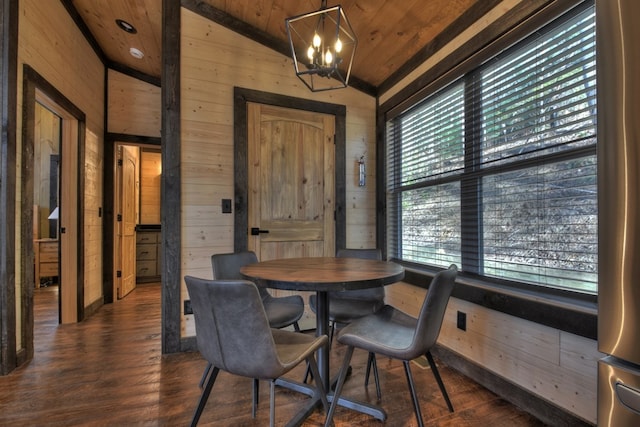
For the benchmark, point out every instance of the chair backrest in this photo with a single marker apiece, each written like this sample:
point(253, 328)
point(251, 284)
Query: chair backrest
point(371, 294)
point(232, 330)
point(227, 267)
point(433, 309)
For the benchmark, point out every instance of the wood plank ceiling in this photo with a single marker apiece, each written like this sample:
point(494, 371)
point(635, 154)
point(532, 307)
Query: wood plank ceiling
point(392, 34)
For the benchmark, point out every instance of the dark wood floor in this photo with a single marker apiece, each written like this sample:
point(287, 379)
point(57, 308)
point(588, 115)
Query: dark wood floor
point(109, 370)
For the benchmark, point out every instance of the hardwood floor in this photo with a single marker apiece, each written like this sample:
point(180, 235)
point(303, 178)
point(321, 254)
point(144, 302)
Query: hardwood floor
point(109, 370)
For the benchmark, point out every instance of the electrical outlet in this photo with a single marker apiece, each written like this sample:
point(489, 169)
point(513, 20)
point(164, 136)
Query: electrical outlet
point(462, 321)
point(187, 307)
point(226, 205)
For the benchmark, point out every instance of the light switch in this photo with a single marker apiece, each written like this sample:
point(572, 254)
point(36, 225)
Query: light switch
point(226, 205)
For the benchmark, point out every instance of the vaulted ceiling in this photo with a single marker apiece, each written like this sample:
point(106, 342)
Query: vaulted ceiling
point(393, 35)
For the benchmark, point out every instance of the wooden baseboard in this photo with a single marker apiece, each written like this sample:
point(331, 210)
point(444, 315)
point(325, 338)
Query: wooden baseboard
point(543, 410)
point(93, 307)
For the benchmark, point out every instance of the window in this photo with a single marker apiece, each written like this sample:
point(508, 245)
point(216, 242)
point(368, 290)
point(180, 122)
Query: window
point(496, 172)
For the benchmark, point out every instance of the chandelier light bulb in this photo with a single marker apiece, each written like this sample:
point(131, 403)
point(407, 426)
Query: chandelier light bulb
point(338, 46)
point(328, 57)
point(316, 40)
point(311, 53)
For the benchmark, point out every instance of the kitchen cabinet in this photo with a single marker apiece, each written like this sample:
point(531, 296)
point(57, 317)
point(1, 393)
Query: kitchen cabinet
point(46, 259)
point(148, 263)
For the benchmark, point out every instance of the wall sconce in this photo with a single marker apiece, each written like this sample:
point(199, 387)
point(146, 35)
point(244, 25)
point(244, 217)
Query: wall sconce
point(362, 172)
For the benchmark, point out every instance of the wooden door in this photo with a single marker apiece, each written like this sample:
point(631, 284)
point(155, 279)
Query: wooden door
point(291, 185)
point(69, 224)
point(126, 221)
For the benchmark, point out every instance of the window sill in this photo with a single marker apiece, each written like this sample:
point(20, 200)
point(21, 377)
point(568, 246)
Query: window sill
point(565, 311)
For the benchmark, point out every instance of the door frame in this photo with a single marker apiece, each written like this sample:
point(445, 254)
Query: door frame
point(108, 203)
point(241, 97)
point(37, 87)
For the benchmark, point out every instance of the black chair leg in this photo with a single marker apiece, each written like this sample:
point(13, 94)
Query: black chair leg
point(256, 393)
point(205, 396)
point(307, 374)
point(332, 331)
point(436, 374)
point(412, 389)
point(272, 403)
point(371, 363)
point(296, 327)
point(204, 375)
point(341, 378)
point(368, 372)
point(320, 391)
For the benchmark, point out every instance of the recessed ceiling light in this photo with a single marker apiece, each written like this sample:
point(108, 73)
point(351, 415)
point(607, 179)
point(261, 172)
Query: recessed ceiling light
point(124, 25)
point(136, 53)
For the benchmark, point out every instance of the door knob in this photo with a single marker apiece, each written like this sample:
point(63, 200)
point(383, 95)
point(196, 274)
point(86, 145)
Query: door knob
point(255, 231)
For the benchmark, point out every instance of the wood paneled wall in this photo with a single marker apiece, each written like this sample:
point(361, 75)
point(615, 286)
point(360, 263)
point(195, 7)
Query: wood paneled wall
point(557, 366)
point(213, 61)
point(51, 44)
point(133, 105)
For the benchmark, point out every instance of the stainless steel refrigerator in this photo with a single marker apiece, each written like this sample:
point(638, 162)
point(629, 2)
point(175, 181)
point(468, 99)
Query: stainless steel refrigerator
point(618, 76)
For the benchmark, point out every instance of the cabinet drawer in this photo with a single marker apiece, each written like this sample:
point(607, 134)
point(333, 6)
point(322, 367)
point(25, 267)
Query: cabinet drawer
point(146, 268)
point(48, 269)
point(49, 247)
point(49, 257)
point(146, 252)
point(145, 237)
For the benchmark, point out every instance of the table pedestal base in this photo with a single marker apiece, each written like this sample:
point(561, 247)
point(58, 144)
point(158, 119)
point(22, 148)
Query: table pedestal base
point(355, 405)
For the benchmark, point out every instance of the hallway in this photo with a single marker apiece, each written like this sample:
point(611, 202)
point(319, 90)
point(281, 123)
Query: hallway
point(109, 370)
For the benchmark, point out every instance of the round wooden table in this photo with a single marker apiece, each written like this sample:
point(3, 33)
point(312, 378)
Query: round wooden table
point(322, 275)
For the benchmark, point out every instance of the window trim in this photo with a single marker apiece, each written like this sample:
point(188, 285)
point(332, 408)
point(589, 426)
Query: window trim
point(565, 310)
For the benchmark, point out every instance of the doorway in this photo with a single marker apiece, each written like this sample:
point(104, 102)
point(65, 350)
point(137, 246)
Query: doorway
point(291, 186)
point(242, 99)
point(132, 235)
point(126, 201)
point(46, 161)
point(61, 225)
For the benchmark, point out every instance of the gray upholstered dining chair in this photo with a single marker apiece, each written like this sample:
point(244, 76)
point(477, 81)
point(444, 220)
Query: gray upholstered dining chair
point(394, 334)
point(281, 311)
point(254, 350)
point(346, 306)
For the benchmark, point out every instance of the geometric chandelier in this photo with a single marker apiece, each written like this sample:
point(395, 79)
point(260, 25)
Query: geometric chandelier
point(323, 46)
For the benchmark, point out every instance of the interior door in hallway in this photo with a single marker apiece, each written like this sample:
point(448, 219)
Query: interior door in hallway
point(126, 220)
point(291, 158)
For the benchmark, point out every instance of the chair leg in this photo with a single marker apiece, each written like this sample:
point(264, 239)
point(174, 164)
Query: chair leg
point(204, 375)
point(368, 372)
point(436, 374)
point(307, 374)
point(296, 327)
point(332, 331)
point(272, 404)
point(371, 363)
point(313, 365)
point(341, 377)
point(412, 389)
point(204, 397)
point(256, 393)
